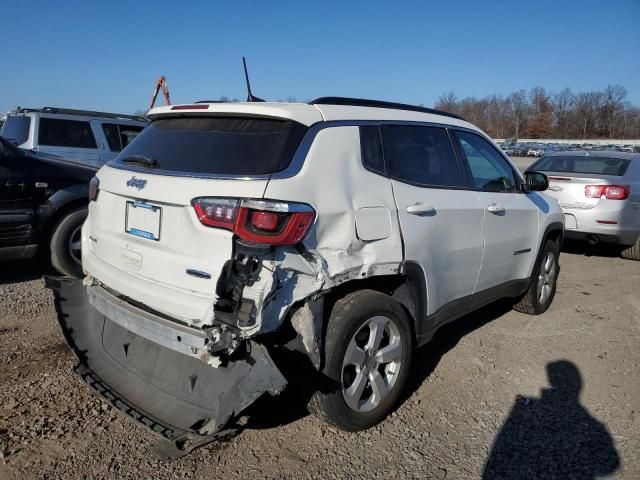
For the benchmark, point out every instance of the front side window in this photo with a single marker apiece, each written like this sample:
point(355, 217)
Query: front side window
point(421, 156)
point(113, 136)
point(489, 170)
point(55, 132)
point(119, 136)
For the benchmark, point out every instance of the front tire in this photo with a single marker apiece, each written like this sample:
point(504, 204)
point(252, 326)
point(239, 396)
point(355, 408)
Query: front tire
point(65, 243)
point(368, 350)
point(543, 284)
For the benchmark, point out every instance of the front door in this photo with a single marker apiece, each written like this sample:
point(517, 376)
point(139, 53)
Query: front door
point(511, 216)
point(16, 201)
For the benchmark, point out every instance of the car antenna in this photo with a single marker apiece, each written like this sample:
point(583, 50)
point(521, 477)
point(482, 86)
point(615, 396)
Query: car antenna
point(250, 96)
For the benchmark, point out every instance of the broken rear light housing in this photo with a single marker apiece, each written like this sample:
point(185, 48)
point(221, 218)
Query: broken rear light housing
point(263, 221)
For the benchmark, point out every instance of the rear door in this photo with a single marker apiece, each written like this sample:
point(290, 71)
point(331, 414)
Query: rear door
point(511, 216)
point(441, 219)
point(68, 137)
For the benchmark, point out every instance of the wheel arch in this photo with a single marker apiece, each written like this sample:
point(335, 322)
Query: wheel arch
point(58, 205)
point(408, 288)
point(554, 232)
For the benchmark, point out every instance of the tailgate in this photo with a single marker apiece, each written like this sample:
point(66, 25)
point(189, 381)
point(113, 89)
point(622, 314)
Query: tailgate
point(143, 226)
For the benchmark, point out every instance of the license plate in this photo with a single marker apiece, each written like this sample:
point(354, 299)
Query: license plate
point(143, 220)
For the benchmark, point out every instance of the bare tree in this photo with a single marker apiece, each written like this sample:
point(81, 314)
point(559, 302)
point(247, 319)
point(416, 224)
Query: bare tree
point(587, 106)
point(447, 102)
point(563, 104)
point(519, 110)
point(614, 96)
point(539, 125)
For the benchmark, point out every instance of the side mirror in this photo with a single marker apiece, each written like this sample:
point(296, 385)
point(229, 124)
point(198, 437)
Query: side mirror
point(535, 181)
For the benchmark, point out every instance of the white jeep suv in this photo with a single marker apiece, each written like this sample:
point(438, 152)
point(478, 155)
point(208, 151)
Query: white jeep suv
point(345, 231)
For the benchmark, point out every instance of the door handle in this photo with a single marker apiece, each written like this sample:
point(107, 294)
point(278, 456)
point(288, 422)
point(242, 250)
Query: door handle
point(496, 209)
point(421, 209)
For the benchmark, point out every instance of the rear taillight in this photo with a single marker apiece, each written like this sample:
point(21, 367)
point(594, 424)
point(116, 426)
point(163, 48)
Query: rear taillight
point(262, 221)
point(94, 189)
point(610, 192)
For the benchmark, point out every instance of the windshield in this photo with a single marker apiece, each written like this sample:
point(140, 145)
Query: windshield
point(16, 129)
point(216, 145)
point(587, 165)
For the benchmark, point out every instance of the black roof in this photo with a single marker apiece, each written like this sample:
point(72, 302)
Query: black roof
point(362, 102)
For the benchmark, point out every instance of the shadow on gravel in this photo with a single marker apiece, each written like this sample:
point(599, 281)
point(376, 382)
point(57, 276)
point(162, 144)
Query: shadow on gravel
point(446, 338)
point(22, 270)
point(583, 248)
point(553, 436)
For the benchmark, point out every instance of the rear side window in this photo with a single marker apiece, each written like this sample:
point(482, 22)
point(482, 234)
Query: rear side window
point(371, 146)
point(16, 129)
point(589, 165)
point(421, 155)
point(119, 136)
point(217, 145)
point(490, 171)
point(65, 133)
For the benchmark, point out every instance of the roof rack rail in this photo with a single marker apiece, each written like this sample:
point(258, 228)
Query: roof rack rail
point(88, 113)
point(362, 102)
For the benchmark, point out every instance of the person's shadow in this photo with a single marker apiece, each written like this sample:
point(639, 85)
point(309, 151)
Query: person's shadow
point(554, 436)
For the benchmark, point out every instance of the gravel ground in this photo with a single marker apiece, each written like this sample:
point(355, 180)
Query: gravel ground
point(554, 396)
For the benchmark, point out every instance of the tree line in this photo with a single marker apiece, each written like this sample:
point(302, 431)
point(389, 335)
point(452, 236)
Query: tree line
point(540, 114)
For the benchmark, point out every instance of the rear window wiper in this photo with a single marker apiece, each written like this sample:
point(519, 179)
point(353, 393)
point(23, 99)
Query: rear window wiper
point(141, 160)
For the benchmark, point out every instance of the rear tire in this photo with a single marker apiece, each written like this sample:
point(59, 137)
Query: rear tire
point(65, 243)
point(368, 350)
point(543, 282)
point(632, 252)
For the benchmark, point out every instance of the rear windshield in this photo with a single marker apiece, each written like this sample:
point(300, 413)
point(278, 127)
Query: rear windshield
point(216, 145)
point(588, 165)
point(16, 129)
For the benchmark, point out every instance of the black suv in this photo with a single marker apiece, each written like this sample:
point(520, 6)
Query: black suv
point(43, 203)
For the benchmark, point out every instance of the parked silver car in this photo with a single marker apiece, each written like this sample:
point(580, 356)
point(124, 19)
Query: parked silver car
point(599, 193)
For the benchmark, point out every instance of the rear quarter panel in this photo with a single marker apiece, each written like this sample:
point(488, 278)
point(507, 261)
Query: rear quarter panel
point(336, 184)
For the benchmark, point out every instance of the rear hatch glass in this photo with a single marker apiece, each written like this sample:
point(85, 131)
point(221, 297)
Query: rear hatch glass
point(16, 129)
point(205, 146)
point(585, 165)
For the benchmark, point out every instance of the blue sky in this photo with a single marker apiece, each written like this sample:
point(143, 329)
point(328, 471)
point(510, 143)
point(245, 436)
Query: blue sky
point(107, 55)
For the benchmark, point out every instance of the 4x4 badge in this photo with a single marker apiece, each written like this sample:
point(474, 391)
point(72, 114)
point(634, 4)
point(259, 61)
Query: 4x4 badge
point(138, 183)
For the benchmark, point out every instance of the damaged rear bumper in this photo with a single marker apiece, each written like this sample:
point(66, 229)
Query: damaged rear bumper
point(153, 369)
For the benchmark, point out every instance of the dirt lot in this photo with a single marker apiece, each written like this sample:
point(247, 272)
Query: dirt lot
point(479, 373)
